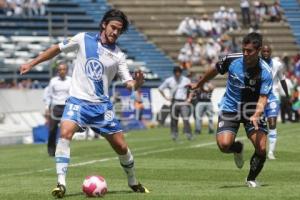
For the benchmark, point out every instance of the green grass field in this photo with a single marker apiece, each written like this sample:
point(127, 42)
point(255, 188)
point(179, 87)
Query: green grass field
point(183, 170)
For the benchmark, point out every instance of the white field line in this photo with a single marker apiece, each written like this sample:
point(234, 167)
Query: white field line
point(115, 158)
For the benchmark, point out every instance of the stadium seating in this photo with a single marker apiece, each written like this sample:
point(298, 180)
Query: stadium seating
point(83, 16)
point(292, 13)
point(158, 20)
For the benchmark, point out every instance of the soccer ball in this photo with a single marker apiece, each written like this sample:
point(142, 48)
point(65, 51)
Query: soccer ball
point(94, 186)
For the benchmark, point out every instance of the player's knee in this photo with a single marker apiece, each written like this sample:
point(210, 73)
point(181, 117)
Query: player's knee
point(224, 146)
point(66, 134)
point(121, 148)
point(261, 151)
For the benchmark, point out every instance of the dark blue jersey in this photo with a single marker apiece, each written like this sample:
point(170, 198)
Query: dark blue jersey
point(244, 86)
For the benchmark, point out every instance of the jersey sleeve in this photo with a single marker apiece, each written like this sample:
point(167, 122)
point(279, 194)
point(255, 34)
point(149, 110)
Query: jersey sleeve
point(71, 44)
point(123, 71)
point(223, 64)
point(267, 83)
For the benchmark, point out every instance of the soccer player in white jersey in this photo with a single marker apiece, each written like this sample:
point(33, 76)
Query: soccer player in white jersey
point(272, 108)
point(98, 60)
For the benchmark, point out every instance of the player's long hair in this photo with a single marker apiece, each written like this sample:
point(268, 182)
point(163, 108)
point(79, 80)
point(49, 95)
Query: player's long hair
point(116, 15)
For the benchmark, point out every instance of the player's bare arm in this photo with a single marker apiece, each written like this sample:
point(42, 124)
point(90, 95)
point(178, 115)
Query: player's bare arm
point(262, 102)
point(209, 74)
point(46, 55)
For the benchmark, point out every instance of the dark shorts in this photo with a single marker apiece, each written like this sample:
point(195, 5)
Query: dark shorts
point(231, 122)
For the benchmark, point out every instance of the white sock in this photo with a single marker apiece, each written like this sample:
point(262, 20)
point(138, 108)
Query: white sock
point(127, 163)
point(272, 139)
point(62, 158)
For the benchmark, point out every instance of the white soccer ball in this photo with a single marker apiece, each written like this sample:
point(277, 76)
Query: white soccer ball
point(94, 186)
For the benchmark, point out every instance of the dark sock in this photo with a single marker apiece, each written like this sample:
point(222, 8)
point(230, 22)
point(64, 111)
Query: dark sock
point(256, 165)
point(236, 147)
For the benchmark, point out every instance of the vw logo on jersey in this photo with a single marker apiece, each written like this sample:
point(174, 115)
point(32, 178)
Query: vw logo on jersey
point(94, 69)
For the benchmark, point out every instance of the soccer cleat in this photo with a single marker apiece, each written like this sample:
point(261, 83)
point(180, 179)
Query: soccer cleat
point(59, 191)
point(252, 184)
point(271, 156)
point(139, 188)
point(238, 157)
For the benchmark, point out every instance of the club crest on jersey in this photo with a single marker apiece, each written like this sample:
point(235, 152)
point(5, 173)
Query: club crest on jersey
point(94, 69)
point(252, 82)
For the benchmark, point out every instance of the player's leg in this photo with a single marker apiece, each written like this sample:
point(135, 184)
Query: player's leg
point(197, 119)
point(185, 112)
point(53, 125)
point(259, 140)
point(210, 115)
point(272, 137)
point(199, 115)
point(271, 112)
point(174, 113)
point(120, 146)
point(62, 155)
point(228, 125)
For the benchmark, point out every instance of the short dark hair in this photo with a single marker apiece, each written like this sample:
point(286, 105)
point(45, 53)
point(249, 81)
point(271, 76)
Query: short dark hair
point(117, 15)
point(177, 69)
point(254, 38)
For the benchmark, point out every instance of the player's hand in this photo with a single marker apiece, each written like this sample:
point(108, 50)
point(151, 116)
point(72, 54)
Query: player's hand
point(139, 78)
point(254, 119)
point(25, 68)
point(192, 86)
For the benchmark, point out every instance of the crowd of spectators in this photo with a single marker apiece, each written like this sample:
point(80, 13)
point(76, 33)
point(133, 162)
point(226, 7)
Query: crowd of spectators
point(23, 7)
point(209, 36)
point(260, 12)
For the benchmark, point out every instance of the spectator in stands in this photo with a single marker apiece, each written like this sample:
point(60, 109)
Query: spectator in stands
point(225, 43)
point(58, 92)
point(205, 26)
point(183, 28)
point(264, 12)
point(189, 54)
point(276, 12)
point(232, 19)
point(212, 51)
point(221, 14)
point(245, 8)
point(256, 14)
point(3, 7)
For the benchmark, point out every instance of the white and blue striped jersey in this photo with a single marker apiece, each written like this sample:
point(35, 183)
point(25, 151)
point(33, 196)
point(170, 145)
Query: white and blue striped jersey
point(278, 75)
point(96, 65)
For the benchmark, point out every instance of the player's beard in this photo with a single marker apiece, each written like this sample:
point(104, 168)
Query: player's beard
point(110, 38)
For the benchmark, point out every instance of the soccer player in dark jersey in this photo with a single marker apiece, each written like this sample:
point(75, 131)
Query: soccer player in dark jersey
point(248, 86)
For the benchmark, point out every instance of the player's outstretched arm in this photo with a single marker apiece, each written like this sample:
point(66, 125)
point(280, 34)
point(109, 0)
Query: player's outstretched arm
point(209, 74)
point(46, 55)
point(261, 104)
point(137, 82)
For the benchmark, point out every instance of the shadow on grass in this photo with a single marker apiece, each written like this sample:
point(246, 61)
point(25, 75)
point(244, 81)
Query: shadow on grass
point(241, 186)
